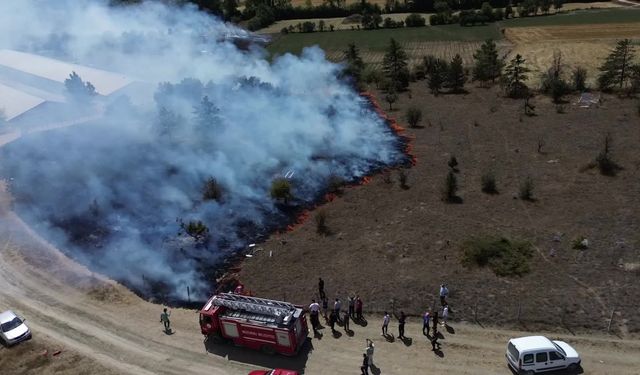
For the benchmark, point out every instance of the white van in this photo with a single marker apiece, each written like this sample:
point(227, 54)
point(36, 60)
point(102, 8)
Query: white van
point(533, 354)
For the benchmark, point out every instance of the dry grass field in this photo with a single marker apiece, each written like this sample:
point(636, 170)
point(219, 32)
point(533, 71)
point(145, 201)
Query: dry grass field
point(583, 45)
point(338, 23)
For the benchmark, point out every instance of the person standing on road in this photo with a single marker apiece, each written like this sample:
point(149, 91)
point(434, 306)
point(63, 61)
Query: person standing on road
point(321, 288)
point(346, 321)
point(401, 321)
point(164, 318)
point(385, 323)
point(352, 303)
point(365, 365)
point(337, 305)
point(435, 343)
point(314, 310)
point(444, 293)
point(425, 323)
point(435, 323)
point(369, 352)
point(332, 321)
point(445, 315)
point(358, 308)
point(325, 307)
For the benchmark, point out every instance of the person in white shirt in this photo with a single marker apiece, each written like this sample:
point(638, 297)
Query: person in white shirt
point(385, 323)
point(445, 315)
point(314, 309)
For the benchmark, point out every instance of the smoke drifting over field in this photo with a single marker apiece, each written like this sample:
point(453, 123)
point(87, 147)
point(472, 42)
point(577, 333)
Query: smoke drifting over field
point(109, 192)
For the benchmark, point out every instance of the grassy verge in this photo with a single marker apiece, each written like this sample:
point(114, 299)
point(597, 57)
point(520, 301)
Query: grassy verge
point(578, 17)
point(378, 40)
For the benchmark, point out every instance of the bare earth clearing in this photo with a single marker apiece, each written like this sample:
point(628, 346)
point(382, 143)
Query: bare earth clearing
point(392, 244)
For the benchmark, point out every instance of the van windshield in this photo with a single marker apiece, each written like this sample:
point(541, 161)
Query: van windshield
point(560, 349)
point(513, 352)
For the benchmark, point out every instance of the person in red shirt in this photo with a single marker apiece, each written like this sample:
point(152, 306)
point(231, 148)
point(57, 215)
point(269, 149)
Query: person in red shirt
point(358, 308)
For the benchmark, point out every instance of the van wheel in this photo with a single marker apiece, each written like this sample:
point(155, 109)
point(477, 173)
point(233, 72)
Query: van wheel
point(217, 339)
point(268, 350)
point(572, 368)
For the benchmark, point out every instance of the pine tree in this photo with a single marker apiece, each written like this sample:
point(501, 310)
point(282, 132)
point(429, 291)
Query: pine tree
point(395, 65)
point(438, 72)
point(616, 68)
point(455, 75)
point(354, 63)
point(206, 114)
point(514, 76)
point(487, 64)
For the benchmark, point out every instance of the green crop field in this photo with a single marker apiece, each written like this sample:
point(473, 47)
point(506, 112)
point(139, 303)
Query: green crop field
point(578, 17)
point(378, 40)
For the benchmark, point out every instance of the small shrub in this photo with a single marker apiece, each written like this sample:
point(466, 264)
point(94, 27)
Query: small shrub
point(488, 181)
point(402, 178)
point(212, 190)
point(414, 115)
point(605, 163)
point(579, 79)
point(321, 222)
point(526, 190)
point(335, 184)
point(386, 177)
point(196, 229)
point(505, 257)
point(580, 243)
point(450, 188)
point(561, 108)
point(453, 163)
point(281, 189)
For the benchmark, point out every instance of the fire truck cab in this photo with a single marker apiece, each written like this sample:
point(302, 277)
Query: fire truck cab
point(257, 323)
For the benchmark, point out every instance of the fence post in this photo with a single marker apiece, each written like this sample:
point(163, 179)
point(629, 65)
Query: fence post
point(611, 320)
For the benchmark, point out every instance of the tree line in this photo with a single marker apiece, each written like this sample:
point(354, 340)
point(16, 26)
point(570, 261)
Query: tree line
point(620, 72)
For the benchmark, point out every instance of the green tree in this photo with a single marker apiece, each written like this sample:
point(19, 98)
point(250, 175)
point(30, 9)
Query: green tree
point(354, 64)
point(205, 114)
point(322, 25)
point(230, 9)
point(281, 189)
point(437, 76)
point(515, 74)
point(545, 6)
point(616, 69)
point(579, 78)
point(196, 229)
point(391, 97)
point(212, 190)
point(78, 89)
point(488, 65)
point(487, 11)
point(527, 8)
point(413, 115)
point(395, 65)
point(508, 11)
point(455, 75)
point(557, 4)
point(553, 82)
point(450, 188)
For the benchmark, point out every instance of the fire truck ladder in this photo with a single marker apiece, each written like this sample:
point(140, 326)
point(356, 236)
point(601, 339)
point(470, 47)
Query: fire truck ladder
point(253, 304)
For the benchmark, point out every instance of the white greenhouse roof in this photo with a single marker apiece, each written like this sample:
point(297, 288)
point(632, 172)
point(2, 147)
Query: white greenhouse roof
point(13, 103)
point(105, 82)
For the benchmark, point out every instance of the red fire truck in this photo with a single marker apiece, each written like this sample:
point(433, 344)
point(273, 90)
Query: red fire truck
point(257, 323)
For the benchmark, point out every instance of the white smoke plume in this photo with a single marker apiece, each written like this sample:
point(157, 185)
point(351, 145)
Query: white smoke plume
point(109, 191)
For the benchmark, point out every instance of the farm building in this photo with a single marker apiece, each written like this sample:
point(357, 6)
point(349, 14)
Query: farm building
point(31, 84)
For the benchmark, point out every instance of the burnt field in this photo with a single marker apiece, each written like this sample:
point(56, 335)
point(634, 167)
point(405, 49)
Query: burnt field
point(394, 246)
point(165, 211)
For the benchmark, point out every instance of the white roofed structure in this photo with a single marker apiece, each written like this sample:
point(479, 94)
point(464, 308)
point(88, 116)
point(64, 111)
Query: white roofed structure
point(105, 82)
point(13, 102)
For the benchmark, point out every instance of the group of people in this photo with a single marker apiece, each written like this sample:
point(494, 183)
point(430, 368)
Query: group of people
point(336, 315)
point(430, 320)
